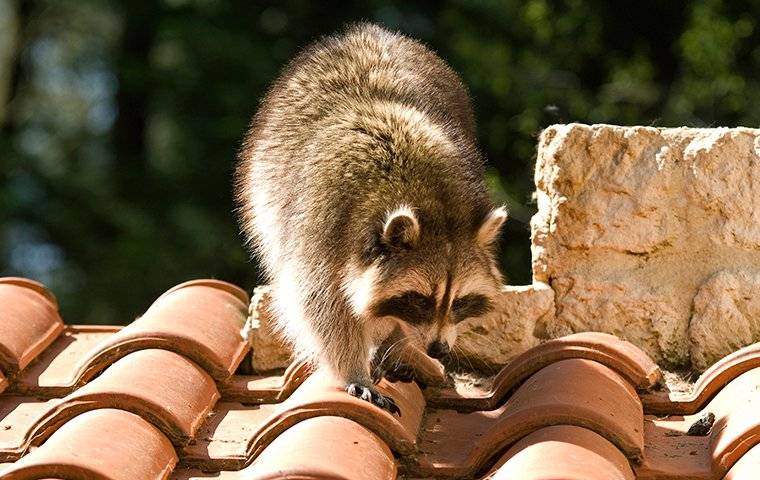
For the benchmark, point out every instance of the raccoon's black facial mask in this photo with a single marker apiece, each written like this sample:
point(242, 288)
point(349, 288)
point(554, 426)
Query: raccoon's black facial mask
point(411, 307)
point(468, 306)
point(418, 309)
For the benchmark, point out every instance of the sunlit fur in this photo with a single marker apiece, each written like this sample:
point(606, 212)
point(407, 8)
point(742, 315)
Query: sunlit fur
point(358, 126)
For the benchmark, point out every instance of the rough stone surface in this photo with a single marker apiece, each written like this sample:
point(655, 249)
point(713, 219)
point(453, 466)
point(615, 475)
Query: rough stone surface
point(726, 316)
point(269, 350)
point(632, 220)
point(518, 323)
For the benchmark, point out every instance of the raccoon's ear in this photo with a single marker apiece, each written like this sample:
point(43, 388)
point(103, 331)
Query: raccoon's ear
point(401, 229)
point(491, 226)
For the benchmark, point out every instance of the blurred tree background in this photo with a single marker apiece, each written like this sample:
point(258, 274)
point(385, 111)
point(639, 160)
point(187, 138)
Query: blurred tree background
point(120, 120)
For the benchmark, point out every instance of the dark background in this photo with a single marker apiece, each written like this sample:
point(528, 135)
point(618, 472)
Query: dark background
point(119, 121)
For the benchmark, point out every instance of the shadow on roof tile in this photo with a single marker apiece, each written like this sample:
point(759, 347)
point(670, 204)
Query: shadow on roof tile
point(265, 388)
point(707, 385)
point(226, 439)
point(18, 415)
point(161, 386)
point(623, 357)
point(236, 434)
point(100, 444)
point(320, 396)
point(325, 447)
point(29, 323)
point(317, 448)
point(200, 319)
point(53, 372)
point(671, 452)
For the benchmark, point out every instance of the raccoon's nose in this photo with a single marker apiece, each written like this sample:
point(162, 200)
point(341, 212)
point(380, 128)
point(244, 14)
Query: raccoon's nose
point(437, 349)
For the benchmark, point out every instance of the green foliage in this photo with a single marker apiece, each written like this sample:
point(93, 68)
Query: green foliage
point(119, 121)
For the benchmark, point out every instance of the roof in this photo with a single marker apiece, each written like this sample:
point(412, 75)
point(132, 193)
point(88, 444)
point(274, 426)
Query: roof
point(164, 398)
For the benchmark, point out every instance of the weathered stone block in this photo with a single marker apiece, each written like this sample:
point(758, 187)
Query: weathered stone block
point(632, 220)
point(726, 316)
point(269, 350)
point(518, 322)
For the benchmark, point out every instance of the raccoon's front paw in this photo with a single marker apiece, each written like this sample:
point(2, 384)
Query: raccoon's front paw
point(368, 394)
point(400, 373)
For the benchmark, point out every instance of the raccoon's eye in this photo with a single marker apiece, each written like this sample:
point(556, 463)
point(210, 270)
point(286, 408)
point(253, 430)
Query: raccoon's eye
point(410, 307)
point(472, 305)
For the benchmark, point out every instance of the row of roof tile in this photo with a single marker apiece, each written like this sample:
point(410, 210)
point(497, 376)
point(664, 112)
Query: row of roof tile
point(162, 398)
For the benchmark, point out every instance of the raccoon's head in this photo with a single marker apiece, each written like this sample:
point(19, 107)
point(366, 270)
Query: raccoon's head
point(431, 279)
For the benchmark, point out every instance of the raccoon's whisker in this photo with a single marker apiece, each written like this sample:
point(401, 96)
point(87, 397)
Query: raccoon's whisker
point(397, 343)
point(460, 355)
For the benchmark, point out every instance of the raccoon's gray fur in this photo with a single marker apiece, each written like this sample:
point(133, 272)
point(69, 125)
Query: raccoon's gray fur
point(360, 186)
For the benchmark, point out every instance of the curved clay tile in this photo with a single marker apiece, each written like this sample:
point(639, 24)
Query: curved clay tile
point(736, 428)
point(569, 392)
point(18, 415)
point(161, 386)
point(747, 466)
point(623, 357)
point(29, 322)
point(321, 448)
point(224, 441)
point(236, 434)
point(318, 396)
point(265, 389)
point(52, 375)
point(101, 444)
point(708, 385)
point(566, 452)
point(200, 319)
point(708, 443)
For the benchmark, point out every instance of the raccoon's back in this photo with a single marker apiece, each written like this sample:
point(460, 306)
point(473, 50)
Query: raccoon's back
point(296, 196)
point(363, 64)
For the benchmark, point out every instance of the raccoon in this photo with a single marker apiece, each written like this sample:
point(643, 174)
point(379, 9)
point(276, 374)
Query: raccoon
point(361, 190)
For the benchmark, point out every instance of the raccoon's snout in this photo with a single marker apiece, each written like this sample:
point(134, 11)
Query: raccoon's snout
point(438, 349)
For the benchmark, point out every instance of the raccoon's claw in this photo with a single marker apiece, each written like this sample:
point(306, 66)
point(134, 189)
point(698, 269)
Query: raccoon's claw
point(369, 395)
point(400, 373)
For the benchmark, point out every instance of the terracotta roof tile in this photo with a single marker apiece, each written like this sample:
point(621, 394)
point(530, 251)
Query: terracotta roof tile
point(747, 466)
point(735, 429)
point(167, 385)
point(265, 388)
point(565, 452)
point(709, 383)
point(316, 448)
point(229, 437)
point(29, 322)
point(18, 416)
point(621, 356)
point(199, 319)
point(570, 392)
point(325, 447)
point(87, 447)
point(319, 396)
point(163, 387)
point(55, 372)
